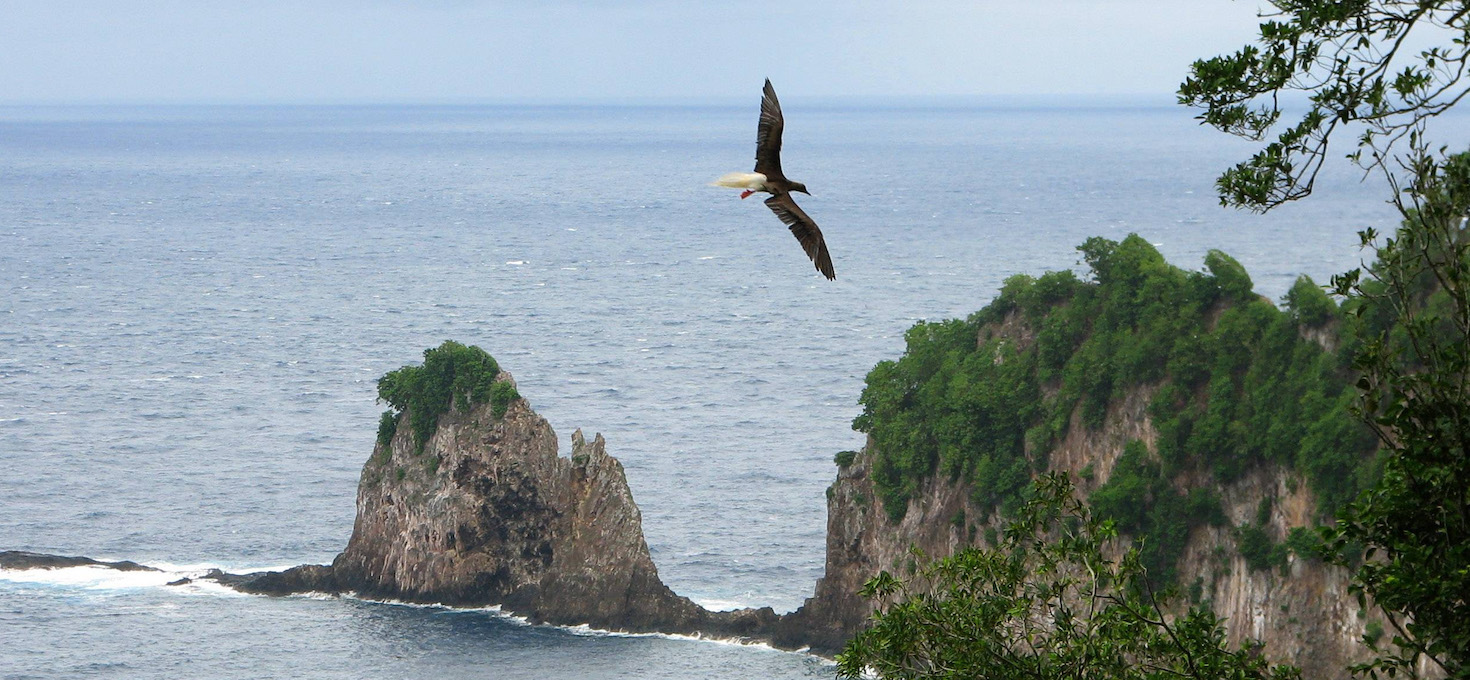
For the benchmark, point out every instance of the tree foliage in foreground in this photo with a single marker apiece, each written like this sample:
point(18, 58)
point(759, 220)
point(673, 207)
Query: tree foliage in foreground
point(1415, 394)
point(1049, 601)
point(1364, 65)
point(1361, 67)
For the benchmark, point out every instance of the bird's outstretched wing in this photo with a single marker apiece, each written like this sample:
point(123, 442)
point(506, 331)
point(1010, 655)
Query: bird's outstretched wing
point(768, 134)
point(805, 230)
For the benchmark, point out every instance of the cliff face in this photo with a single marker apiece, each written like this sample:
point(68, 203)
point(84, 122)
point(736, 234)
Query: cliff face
point(488, 513)
point(1305, 617)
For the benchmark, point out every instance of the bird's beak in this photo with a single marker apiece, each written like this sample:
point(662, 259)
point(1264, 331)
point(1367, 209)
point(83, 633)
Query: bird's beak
point(804, 191)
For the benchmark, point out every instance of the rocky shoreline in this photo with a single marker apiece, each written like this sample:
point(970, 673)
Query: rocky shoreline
point(487, 513)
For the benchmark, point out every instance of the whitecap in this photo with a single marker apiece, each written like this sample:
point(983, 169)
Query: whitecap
point(91, 577)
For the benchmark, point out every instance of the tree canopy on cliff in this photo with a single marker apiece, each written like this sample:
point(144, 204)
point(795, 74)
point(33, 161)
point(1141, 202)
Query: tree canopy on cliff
point(1361, 67)
point(1230, 379)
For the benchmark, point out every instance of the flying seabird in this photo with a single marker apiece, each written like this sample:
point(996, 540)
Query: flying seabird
point(768, 178)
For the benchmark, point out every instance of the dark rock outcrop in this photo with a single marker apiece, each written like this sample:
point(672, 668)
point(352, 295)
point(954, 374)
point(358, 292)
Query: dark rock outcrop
point(20, 559)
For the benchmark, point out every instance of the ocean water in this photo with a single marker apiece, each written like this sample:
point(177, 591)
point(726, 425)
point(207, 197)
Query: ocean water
point(195, 303)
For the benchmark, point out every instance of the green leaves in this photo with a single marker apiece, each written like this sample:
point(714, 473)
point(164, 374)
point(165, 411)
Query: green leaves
point(1235, 283)
point(1412, 306)
point(984, 400)
point(1350, 60)
point(387, 427)
point(501, 395)
point(452, 375)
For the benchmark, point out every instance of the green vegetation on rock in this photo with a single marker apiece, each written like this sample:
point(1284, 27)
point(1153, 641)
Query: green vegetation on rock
point(501, 395)
point(1143, 502)
point(452, 376)
point(1406, 535)
point(1231, 380)
point(387, 427)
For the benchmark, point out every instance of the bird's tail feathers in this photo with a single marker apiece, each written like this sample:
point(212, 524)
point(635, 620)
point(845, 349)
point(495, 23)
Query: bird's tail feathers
point(741, 180)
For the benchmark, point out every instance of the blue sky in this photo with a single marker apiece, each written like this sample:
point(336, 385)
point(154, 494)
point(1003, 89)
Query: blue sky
point(467, 50)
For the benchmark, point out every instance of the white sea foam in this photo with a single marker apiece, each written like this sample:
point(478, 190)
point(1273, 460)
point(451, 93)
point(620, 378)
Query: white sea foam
point(91, 577)
point(581, 629)
point(96, 577)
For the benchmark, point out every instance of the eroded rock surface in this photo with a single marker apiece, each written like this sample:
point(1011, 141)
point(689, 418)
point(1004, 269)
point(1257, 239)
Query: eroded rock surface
point(489, 514)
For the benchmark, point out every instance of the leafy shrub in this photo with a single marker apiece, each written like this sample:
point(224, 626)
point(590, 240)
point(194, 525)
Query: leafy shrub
point(1372, 633)
point(1202, 506)
point(1305, 543)
point(1142, 502)
point(1259, 551)
point(1263, 511)
point(501, 395)
point(1309, 302)
point(452, 376)
point(387, 427)
point(1234, 282)
point(844, 458)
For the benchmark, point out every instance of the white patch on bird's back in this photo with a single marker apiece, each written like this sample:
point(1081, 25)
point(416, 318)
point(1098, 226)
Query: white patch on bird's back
point(754, 181)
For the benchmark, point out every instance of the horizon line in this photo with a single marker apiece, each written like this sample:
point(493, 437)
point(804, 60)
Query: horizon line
point(1099, 100)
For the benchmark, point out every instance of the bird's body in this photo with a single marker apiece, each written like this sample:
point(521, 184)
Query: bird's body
point(768, 178)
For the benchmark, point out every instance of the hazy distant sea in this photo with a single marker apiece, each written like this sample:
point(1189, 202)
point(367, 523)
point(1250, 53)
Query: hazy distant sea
point(195, 304)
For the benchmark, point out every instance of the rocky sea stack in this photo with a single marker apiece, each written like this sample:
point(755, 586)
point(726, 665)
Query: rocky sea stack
point(488, 513)
point(483, 511)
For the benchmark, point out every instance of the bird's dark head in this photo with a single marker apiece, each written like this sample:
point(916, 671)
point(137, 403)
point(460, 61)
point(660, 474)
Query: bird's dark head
point(798, 186)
